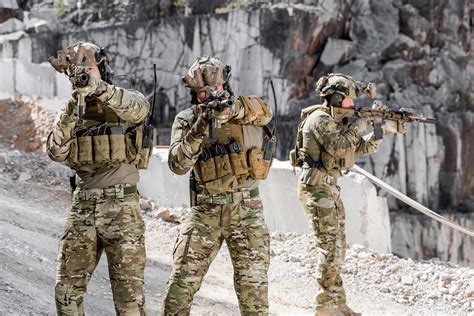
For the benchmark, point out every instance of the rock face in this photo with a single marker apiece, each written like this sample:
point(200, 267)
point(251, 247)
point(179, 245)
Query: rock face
point(416, 236)
point(418, 53)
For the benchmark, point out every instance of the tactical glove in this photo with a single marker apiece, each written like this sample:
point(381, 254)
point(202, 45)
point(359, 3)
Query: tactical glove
point(379, 106)
point(394, 127)
point(200, 127)
point(221, 116)
point(67, 115)
point(94, 86)
point(360, 125)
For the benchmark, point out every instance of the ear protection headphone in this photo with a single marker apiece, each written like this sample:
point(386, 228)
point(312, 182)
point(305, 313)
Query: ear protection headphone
point(336, 99)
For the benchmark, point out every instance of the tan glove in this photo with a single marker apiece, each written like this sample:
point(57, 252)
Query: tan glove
point(360, 125)
point(94, 86)
point(67, 115)
point(379, 106)
point(200, 127)
point(222, 116)
point(394, 127)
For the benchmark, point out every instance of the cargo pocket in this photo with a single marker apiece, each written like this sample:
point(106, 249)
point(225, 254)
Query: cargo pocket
point(181, 249)
point(327, 217)
point(259, 243)
point(223, 166)
point(207, 170)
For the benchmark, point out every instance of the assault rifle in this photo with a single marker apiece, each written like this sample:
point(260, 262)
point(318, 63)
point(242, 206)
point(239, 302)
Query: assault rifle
point(217, 102)
point(80, 79)
point(378, 117)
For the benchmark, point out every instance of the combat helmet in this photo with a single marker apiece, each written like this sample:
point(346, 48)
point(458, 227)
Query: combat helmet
point(334, 87)
point(83, 54)
point(207, 72)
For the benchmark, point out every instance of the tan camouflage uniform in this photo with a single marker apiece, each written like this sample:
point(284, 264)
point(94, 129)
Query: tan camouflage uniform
point(225, 210)
point(105, 213)
point(328, 140)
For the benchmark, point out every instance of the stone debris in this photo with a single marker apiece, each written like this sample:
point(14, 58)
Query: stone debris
point(444, 287)
point(425, 286)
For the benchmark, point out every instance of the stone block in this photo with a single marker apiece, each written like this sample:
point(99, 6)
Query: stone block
point(367, 216)
point(336, 51)
point(63, 86)
point(12, 25)
point(7, 71)
point(35, 79)
point(9, 4)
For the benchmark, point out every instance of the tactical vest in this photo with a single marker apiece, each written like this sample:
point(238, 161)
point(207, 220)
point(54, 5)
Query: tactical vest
point(320, 158)
point(104, 138)
point(229, 163)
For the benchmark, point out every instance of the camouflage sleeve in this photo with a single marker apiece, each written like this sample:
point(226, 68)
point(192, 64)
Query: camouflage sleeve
point(186, 140)
point(251, 110)
point(367, 145)
point(130, 105)
point(336, 141)
point(61, 135)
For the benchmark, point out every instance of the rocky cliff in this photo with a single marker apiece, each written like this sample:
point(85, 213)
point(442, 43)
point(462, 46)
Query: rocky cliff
point(418, 52)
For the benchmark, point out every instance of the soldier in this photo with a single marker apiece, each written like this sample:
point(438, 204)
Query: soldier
point(226, 166)
point(326, 146)
point(103, 145)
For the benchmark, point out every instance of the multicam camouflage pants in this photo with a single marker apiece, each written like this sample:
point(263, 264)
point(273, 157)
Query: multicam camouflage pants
point(243, 228)
point(323, 207)
point(113, 225)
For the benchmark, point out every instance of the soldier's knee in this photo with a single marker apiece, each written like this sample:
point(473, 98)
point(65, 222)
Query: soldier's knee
point(68, 299)
point(131, 308)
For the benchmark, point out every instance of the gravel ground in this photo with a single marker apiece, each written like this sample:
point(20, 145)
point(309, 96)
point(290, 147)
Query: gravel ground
point(34, 201)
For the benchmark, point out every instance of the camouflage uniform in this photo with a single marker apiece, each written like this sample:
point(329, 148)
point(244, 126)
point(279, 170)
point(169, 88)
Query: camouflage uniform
point(105, 213)
point(227, 207)
point(328, 147)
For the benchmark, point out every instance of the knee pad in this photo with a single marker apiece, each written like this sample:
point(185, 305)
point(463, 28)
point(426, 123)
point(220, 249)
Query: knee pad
point(65, 294)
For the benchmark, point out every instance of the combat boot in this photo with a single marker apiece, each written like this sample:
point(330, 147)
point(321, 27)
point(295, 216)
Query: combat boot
point(347, 311)
point(328, 311)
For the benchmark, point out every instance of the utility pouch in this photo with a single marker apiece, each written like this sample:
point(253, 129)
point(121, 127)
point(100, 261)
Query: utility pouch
point(207, 170)
point(131, 149)
point(72, 158)
point(311, 176)
point(147, 147)
point(223, 165)
point(117, 147)
point(85, 149)
point(239, 166)
point(101, 148)
point(259, 167)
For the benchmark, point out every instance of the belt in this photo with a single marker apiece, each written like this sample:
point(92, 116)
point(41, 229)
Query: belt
point(118, 191)
point(227, 197)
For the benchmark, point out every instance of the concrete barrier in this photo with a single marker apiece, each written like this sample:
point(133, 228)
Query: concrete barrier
point(19, 76)
point(367, 218)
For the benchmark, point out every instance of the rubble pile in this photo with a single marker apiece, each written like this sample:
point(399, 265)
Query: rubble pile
point(444, 287)
point(24, 124)
point(31, 167)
